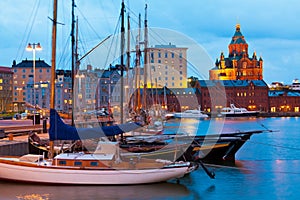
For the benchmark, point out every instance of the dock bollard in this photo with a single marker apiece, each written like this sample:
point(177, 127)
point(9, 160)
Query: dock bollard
point(44, 125)
point(11, 137)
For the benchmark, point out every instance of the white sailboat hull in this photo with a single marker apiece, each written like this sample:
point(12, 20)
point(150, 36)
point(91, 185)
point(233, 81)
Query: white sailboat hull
point(58, 175)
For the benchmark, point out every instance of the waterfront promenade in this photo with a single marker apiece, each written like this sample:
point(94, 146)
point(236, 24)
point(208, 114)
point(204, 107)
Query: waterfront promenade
point(16, 141)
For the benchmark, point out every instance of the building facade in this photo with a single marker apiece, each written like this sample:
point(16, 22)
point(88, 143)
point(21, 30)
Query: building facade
point(6, 87)
point(167, 66)
point(24, 74)
point(284, 101)
point(238, 65)
point(250, 94)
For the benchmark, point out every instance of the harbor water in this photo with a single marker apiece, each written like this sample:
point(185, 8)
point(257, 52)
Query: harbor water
point(267, 167)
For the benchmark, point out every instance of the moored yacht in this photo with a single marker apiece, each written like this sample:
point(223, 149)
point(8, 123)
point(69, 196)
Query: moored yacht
point(233, 111)
point(197, 114)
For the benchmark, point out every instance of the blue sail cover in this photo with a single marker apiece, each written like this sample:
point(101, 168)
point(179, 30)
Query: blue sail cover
point(61, 131)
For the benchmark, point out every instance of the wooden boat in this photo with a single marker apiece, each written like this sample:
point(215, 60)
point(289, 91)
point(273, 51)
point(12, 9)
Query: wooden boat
point(105, 166)
point(218, 149)
point(76, 168)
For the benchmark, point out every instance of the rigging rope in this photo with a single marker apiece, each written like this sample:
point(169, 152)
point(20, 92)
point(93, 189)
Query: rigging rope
point(28, 29)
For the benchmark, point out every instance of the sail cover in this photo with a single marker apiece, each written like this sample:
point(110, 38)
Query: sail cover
point(61, 131)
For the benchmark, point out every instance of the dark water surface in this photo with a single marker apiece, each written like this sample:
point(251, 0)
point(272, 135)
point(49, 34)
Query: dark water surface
point(267, 167)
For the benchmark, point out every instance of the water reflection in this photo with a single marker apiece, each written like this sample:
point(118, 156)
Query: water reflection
point(46, 192)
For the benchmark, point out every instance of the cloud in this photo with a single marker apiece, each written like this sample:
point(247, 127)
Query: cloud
point(270, 27)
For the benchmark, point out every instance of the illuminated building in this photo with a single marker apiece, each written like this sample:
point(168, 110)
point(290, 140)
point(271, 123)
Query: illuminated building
point(238, 65)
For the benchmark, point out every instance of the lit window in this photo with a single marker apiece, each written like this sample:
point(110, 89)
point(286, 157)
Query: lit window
point(273, 109)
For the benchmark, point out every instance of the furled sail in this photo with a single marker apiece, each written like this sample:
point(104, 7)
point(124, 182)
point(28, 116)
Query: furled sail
point(61, 131)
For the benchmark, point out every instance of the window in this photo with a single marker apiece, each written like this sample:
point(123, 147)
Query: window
point(172, 55)
point(1, 80)
point(166, 54)
point(273, 109)
point(62, 162)
point(94, 164)
point(77, 163)
point(159, 54)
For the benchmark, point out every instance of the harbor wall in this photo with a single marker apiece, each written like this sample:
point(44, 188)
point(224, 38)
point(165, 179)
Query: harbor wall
point(13, 148)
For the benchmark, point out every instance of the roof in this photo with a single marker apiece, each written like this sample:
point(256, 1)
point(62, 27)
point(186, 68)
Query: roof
point(29, 63)
point(168, 91)
point(232, 83)
point(5, 70)
point(238, 37)
point(165, 46)
point(228, 61)
point(277, 93)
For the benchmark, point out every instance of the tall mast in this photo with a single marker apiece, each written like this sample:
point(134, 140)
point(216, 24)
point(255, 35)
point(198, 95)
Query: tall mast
point(73, 57)
point(122, 61)
point(76, 49)
point(138, 63)
point(53, 62)
point(53, 69)
point(145, 60)
point(128, 60)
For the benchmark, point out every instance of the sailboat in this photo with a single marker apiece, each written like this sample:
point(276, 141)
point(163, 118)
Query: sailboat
point(103, 167)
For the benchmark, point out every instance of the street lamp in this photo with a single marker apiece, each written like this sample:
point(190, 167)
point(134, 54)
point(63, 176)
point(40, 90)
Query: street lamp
point(34, 47)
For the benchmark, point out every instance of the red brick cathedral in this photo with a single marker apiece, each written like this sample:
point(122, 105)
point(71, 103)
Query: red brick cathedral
point(238, 65)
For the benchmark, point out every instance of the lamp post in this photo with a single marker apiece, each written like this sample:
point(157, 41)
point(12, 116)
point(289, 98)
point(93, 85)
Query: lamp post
point(34, 47)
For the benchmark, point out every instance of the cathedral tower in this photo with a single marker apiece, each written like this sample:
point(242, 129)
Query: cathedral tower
point(238, 65)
